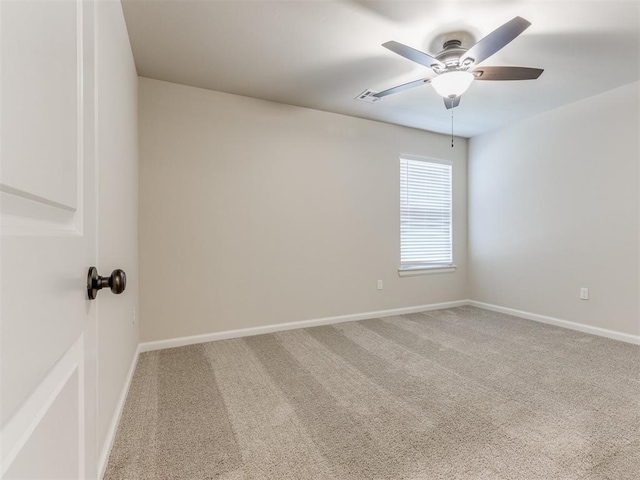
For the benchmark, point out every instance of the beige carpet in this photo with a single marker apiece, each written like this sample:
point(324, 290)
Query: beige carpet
point(461, 393)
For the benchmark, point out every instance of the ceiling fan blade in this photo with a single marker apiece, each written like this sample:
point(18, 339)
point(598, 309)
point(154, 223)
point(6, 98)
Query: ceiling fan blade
point(400, 88)
point(493, 42)
point(451, 102)
point(413, 54)
point(507, 73)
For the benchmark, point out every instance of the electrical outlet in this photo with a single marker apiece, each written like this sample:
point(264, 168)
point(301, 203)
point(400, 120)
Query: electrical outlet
point(379, 284)
point(584, 293)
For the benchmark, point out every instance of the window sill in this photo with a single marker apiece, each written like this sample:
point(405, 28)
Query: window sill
point(413, 271)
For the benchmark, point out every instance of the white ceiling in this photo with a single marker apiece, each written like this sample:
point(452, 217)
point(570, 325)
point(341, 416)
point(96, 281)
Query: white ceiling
point(321, 54)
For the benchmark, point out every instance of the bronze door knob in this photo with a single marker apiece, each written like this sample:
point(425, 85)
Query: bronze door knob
point(117, 282)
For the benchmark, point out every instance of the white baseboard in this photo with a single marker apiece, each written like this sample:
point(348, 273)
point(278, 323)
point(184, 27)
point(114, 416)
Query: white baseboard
point(602, 332)
point(117, 414)
point(246, 332)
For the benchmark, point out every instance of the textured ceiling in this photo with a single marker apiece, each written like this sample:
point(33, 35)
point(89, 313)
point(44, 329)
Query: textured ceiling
point(321, 54)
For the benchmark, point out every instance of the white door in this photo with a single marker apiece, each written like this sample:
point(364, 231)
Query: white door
point(48, 208)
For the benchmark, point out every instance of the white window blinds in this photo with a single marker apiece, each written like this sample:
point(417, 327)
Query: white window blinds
point(425, 213)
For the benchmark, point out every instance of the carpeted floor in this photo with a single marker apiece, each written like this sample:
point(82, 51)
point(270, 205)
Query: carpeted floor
point(462, 393)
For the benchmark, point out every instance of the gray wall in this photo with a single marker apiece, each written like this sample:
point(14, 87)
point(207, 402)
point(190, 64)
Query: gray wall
point(255, 213)
point(554, 206)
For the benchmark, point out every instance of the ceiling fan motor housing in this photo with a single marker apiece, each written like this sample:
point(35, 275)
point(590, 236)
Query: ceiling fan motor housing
point(451, 52)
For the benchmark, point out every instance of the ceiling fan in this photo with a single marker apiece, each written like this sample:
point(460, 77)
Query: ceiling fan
point(456, 67)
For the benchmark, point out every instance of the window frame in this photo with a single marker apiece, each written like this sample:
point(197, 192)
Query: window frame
point(424, 269)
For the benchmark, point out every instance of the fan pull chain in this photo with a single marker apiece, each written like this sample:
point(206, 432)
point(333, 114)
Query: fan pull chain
point(451, 123)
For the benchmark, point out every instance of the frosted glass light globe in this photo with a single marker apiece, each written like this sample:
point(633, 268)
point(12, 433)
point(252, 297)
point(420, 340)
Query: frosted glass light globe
point(452, 84)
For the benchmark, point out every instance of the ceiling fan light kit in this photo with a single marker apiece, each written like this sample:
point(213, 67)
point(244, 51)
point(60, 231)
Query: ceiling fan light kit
point(452, 84)
point(456, 67)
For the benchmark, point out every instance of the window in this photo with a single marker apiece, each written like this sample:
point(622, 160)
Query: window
point(425, 215)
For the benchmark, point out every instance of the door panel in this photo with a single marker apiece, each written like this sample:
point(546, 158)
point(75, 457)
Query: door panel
point(59, 428)
point(48, 426)
point(47, 205)
point(42, 98)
